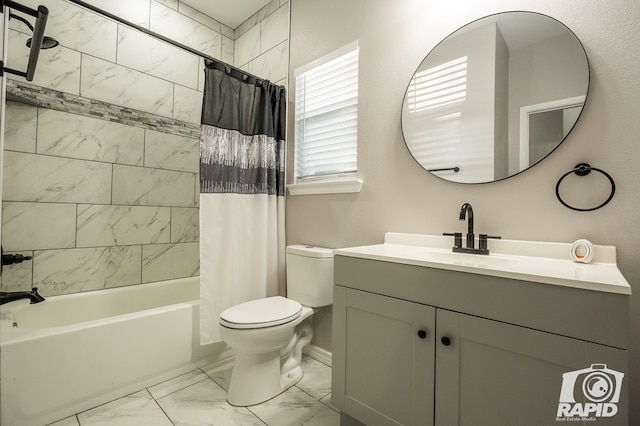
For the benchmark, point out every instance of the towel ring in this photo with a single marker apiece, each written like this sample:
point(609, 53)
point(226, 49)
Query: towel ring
point(584, 169)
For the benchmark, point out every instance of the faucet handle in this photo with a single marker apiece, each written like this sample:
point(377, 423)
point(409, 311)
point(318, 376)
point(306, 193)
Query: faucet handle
point(457, 238)
point(482, 240)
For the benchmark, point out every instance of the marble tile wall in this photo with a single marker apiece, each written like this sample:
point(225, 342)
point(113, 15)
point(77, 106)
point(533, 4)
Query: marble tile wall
point(101, 150)
point(96, 203)
point(262, 43)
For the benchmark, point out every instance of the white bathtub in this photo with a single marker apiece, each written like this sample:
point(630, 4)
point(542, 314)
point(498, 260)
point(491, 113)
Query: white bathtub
point(73, 352)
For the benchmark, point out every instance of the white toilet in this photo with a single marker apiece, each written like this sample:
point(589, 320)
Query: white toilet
point(269, 334)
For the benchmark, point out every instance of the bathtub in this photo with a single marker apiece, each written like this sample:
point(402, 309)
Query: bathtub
point(74, 352)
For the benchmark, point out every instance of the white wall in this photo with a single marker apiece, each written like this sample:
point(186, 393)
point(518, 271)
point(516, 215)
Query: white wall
point(400, 196)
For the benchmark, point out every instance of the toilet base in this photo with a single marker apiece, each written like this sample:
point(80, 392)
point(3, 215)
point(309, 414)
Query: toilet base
point(256, 378)
point(259, 376)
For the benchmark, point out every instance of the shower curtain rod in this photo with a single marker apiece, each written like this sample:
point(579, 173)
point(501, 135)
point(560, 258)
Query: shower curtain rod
point(160, 37)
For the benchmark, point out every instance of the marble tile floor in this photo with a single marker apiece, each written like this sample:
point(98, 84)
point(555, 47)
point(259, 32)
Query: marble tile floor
point(198, 398)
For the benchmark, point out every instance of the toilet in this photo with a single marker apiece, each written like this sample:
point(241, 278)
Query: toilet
point(269, 334)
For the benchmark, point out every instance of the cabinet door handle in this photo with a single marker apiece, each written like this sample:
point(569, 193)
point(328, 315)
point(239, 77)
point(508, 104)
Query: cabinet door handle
point(446, 340)
point(422, 334)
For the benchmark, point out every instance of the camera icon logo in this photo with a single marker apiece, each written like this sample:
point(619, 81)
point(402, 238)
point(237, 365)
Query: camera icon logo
point(598, 386)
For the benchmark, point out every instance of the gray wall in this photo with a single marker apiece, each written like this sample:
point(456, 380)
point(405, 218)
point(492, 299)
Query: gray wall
point(400, 196)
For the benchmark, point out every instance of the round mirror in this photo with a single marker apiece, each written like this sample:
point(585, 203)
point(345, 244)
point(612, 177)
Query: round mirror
point(495, 97)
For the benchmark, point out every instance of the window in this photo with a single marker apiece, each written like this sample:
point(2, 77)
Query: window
point(326, 117)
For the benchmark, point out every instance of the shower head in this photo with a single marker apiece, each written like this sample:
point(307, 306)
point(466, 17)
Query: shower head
point(47, 42)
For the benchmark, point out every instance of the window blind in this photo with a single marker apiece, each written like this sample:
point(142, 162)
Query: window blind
point(326, 119)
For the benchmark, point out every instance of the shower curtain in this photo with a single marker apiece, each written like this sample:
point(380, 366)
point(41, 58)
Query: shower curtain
point(242, 153)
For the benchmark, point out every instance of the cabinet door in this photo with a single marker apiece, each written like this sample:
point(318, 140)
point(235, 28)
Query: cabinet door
point(388, 364)
point(492, 373)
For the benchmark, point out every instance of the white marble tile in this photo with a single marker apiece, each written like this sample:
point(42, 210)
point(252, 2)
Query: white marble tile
point(177, 383)
point(248, 24)
point(155, 57)
point(75, 136)
point(316, 380)
point(171, 152)
point(228, 50)
point(119, 85)
point(201, 75)
point(295, 407)
point(200, 17)
point(138, 409)
point(135, 11)
point(196, 193)
point(69, 421)
point(247, 46)
point(228, 32)
point(169, 261)
point(151, 187)
point(20, 127)
point(267, 10)
point(187, 104)
point(100, 225)
point(180, 28)
point(272, 65)
point(185, 224)
point(205, 404)
point(257, 17)
point(28, 226)
point(78, 28)
point(220, 372)
point(18, 277)
point(274, 29)
point(31, 177)
point(173, 4)
point(75, 270)
point(57, 68)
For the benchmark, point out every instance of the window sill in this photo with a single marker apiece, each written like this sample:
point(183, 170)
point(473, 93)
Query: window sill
point(338, 186)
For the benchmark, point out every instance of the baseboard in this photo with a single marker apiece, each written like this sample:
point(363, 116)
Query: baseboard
point(318, 354)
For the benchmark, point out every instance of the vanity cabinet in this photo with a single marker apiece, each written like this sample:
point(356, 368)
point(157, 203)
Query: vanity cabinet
point(412, 347)
point(387, 372)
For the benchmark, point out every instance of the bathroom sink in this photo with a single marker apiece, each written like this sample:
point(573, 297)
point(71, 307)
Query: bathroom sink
point(542, 262)
point(450, 257)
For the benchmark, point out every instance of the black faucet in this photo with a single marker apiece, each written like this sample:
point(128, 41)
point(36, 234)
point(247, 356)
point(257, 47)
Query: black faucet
point(467, 210)
point(466, 213)
point(11, 296)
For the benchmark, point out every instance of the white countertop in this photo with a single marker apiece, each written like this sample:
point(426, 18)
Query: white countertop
point(542, 262)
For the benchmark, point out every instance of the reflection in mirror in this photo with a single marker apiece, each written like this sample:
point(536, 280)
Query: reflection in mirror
point(495, 97)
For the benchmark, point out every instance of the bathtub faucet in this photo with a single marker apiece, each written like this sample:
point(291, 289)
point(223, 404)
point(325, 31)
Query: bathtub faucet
point(10, 296)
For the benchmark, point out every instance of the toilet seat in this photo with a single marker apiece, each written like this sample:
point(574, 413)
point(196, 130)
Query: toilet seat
point(261, 313)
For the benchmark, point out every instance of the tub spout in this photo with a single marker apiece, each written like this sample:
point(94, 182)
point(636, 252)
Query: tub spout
point(10, 296)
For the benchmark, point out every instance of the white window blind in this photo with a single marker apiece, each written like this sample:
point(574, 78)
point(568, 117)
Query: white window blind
point(326, 132)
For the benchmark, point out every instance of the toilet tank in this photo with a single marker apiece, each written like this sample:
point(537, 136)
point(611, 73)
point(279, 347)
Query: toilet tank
point(310, 275)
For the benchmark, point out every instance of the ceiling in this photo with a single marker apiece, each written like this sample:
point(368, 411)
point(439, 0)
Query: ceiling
point(232, 13)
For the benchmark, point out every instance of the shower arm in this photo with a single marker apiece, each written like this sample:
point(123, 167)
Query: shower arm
point(41, 15)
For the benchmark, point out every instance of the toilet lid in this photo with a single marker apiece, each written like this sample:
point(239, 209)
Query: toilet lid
point(261, 313)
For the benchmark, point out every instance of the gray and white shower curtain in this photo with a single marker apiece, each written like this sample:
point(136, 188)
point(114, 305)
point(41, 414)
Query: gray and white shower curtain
point(242, 152)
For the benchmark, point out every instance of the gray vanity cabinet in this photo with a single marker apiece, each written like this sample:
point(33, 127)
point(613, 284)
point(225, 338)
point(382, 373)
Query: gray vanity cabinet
point(467, 368)
point(493, 373)
point(386, 375)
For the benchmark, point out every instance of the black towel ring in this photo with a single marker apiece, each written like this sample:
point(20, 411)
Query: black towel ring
point(584, 169)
